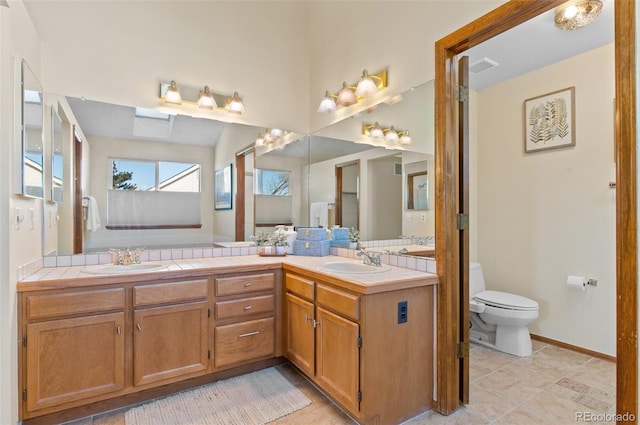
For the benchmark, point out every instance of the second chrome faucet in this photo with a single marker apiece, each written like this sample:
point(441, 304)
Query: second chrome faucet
point(370, 258)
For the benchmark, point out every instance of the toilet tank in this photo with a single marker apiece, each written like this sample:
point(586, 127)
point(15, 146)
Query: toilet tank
point(476, 279)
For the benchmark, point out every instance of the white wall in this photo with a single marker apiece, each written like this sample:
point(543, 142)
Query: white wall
point(385, 201)
point(398, 35)
point(546, 215)
point(18, 39)
point(119, 52)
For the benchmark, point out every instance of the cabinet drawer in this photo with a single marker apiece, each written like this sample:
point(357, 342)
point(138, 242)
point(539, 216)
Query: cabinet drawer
point(299, 286)
point(244, 307)
point(244, 341)
point(68, 303)
point(339, 301)
point(244, 284)
point(169, 292)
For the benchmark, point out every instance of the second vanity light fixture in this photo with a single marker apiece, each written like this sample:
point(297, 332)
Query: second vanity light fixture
point(350, 95)
point(203, 99)
point(391, 136)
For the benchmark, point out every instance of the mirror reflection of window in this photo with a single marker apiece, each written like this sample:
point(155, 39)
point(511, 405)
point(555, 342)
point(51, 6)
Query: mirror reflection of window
point(272, 182)
point(155, 176)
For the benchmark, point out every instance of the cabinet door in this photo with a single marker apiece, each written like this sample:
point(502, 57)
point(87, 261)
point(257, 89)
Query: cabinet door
point(300, 333)
point(170, 342)
point(337, 357)
point(73, 359)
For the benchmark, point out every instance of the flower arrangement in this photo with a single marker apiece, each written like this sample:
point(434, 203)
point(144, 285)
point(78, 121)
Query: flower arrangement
point(261, 238)
point(354, 235)
point(278, 238)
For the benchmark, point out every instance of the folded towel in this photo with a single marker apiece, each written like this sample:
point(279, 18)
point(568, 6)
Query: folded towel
point(93, 215)
point(319, 212)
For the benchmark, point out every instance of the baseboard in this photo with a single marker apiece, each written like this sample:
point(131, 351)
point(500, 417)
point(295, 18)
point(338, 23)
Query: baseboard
point(573, 348)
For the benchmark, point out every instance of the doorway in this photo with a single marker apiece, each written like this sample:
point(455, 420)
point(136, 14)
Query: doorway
point(347, 203)
point(449, 185)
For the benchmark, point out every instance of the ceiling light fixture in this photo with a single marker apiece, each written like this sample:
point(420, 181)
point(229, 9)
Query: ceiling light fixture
point(203, 99)
point(390, 136)
point(576, 14)
point(352, 94)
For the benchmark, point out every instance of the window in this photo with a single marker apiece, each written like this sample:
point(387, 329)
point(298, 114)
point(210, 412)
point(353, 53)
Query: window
point(140, 175)
point(272, 182)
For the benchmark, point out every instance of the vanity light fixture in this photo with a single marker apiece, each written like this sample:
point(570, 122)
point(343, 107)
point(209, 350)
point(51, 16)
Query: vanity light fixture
point(203, 99)
point(346, 96)
point(235, 104)
point(173, 94)
point(271, 136)
point(206, 100)
point(366, 86)
point(328, 103)
point(352, 94)
point(391, 136)
point(576, 14)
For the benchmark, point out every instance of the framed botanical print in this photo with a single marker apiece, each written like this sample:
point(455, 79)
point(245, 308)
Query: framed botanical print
point(549, 121)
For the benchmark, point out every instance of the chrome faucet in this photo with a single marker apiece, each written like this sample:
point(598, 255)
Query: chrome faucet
point(371, 258)
point(126, 257)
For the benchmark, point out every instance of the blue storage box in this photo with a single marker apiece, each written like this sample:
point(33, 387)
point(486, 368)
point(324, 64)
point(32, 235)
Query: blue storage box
point(340, 233)
point(340, 243)
point(311, 248)
point(312, 233)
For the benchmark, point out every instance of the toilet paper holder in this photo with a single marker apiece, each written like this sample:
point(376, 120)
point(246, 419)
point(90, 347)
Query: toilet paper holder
point(592, 282)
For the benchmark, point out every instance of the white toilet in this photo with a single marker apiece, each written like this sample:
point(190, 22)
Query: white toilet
point(498, 319)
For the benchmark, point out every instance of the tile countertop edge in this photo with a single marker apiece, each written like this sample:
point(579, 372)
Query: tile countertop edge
point(73, 277)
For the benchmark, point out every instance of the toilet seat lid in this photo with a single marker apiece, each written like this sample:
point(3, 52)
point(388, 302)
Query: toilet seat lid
point(506, 300)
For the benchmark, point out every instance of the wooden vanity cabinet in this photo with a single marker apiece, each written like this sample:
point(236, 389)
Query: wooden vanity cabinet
point(170, 331)
point(245, 319)
point(354, 348)
point(73, 347)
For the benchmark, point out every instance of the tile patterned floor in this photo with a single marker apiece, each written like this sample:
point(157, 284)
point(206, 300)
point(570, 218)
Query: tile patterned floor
point(553, 386)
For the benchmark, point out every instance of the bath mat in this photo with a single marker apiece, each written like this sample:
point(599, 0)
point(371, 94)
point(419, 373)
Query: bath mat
point(253, 399)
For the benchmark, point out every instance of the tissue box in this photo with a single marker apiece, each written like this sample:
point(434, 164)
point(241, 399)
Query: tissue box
point(311, 248)
point(340, 233)
point(312, 233)
point(340, 243)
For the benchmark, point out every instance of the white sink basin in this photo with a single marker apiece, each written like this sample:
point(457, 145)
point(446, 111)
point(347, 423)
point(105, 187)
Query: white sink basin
point(345, 267)
point(120, 269)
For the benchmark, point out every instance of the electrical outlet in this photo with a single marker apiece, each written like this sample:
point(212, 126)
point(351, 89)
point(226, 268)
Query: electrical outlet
point(403, 312)
point(407, 217)
point(423, 217)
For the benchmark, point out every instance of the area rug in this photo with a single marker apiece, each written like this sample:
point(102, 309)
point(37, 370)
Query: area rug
point(253, 399)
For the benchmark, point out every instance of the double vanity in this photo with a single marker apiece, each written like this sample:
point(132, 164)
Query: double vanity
point(95, 338)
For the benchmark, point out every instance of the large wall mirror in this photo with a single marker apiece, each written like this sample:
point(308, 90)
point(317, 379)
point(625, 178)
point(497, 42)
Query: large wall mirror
point(371, 195)
point(32, 140)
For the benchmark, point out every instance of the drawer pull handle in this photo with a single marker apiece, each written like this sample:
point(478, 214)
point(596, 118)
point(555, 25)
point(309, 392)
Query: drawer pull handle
point(138, 326)
point(118, 329)
point(248, 334)
point(248, 307)
point(246, 285)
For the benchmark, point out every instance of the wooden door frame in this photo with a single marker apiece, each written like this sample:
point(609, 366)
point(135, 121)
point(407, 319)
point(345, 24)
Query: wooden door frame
point(78, 215)
point(492, 24)
point(240, 214)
